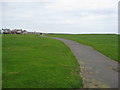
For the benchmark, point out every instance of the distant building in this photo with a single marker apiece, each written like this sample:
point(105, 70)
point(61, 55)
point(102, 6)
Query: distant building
point(0, 31)
point(30, 32)
point(6, 31)
point(24, 32)
point(18, 31)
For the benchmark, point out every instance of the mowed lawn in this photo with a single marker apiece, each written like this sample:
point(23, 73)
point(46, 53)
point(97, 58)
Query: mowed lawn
point(31, 61)
point(104, 43)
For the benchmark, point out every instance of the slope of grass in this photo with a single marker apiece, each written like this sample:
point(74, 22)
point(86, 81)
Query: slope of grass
point(104, 43)
point(31, 61)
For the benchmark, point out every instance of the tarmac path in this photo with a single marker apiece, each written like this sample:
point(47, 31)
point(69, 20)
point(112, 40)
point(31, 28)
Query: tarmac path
point(97, 70)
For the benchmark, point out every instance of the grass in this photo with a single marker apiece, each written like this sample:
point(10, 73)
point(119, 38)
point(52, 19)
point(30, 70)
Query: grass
point(104, 43)
point(31, 61)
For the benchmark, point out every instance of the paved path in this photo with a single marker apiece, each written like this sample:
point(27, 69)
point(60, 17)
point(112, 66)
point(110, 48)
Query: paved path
point(97, 70)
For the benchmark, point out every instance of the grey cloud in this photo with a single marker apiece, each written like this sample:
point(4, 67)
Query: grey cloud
point(36, 16)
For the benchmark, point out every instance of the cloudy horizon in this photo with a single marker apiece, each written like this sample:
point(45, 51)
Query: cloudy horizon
point(61, 16)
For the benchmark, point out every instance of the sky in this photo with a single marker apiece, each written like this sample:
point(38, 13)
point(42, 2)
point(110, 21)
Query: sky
point(61, 16)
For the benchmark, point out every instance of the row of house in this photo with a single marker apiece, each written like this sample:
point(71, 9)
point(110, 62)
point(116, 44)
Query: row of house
point(14, 31)
point(17, 31)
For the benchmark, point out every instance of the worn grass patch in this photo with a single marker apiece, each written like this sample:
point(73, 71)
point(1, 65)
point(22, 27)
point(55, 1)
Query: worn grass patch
point(31, 61)
point(104, 43)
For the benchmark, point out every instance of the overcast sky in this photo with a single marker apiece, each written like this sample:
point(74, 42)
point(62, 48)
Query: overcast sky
point(66, 16)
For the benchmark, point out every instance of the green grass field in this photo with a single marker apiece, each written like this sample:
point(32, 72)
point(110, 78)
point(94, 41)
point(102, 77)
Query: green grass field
point(104, 43)
point(31, 61)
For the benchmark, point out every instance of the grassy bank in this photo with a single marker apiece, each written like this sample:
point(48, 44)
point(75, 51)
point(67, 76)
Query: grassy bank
point(31, 61)
point(104, 43)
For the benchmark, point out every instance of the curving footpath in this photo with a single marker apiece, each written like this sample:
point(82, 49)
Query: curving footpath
point(97, 70)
